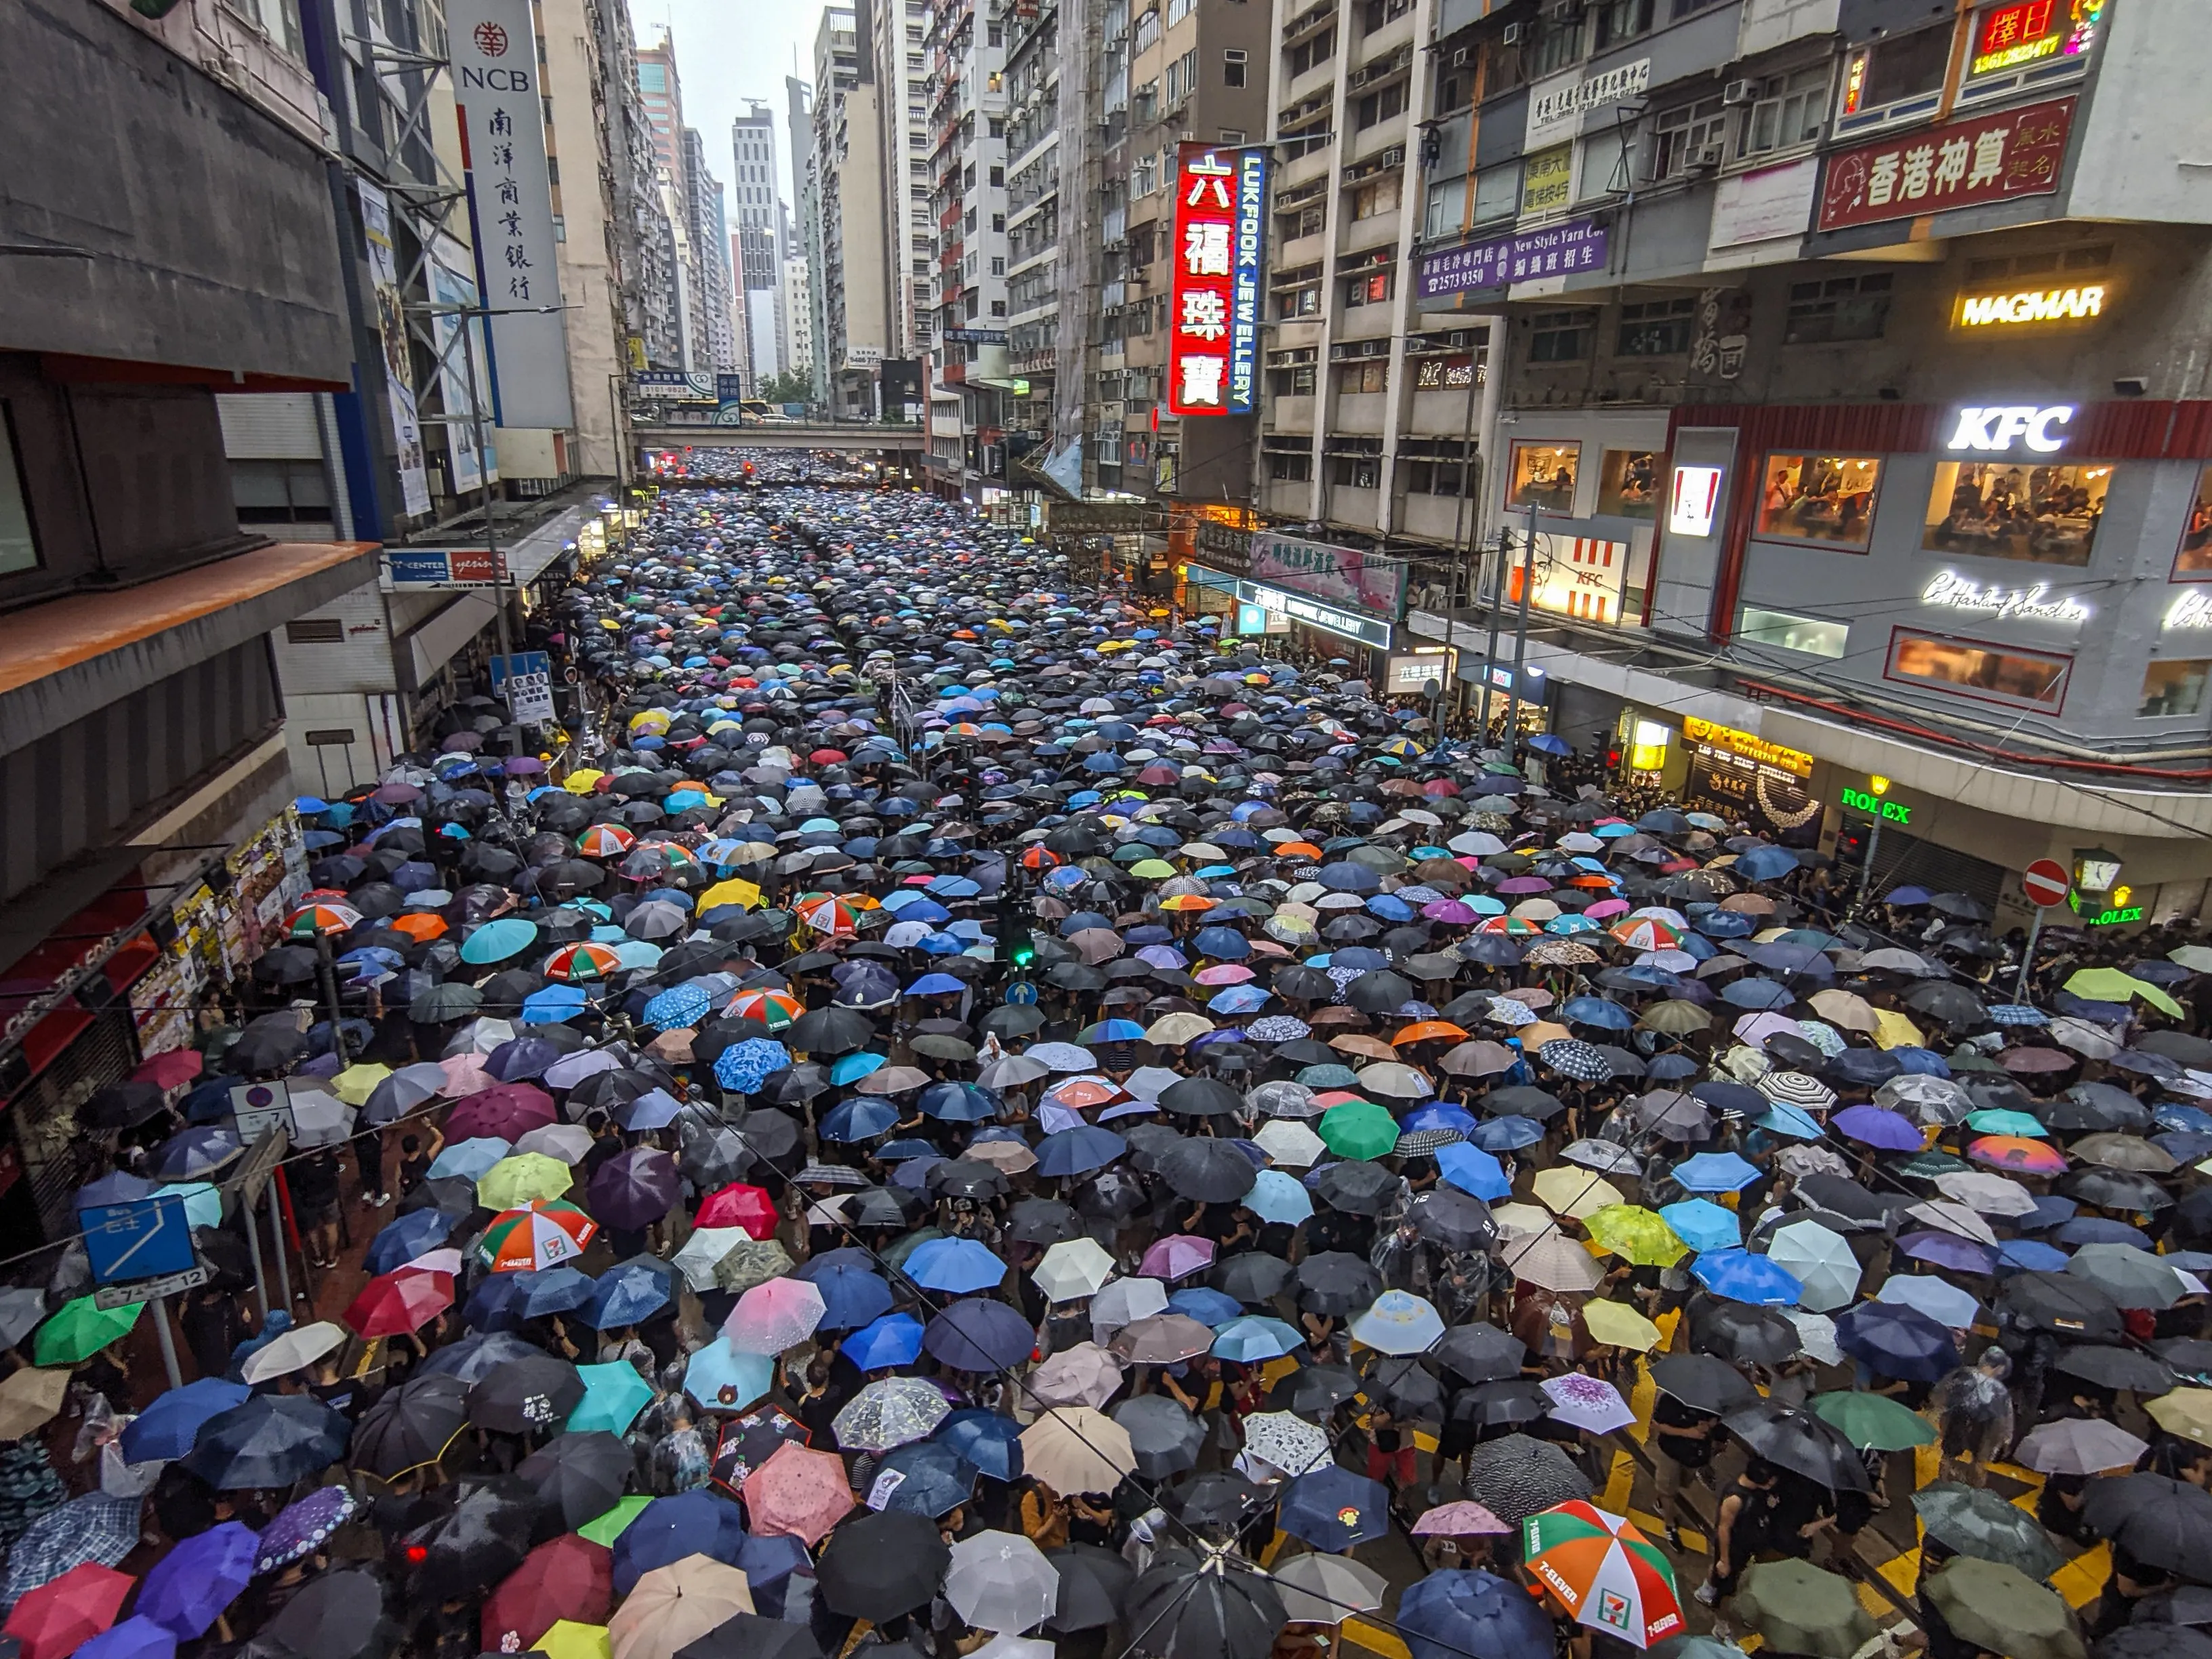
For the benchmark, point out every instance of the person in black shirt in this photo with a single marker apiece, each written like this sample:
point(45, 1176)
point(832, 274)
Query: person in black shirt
point(1682, 1445)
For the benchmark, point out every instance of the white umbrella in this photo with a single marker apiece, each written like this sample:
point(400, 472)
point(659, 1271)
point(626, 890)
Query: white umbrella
point(1588, 1403)
point(1283, 1441)
point(1399, 1322)
point(292, 1351)
point(1941, 1300)
point(1327, 1590)
point(568, 1142)
point(320, 1119)
point(1989, 1194)
point(1123, 1303)
point(702, 1250)
point(1555, 1262)
point(1819, 1260)
point(1000, 1581)
point(1289, 1142)
point(1951, 1217)
point(1816, 1335)
point(569, 1070)
point(1084, 1374)
point(1074, 1268)
point(1077, 1449)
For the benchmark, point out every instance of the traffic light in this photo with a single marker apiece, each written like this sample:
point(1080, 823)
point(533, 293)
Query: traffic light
point(1017, 944)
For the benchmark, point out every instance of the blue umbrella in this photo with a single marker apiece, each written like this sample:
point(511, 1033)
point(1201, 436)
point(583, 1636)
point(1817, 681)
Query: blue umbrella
point(894, 1340)
point(1224, 944)
point(197, 1152)
point(626, 1294)
point(416, 1233)
point(469, 1159)
point(1598, 1011)
point(136, 1637)
point(1758, 993)
point(495, 941)
point(980, 1334)
point(1472, 1615)
point(1333, 1509)
point(851, 1068)
point(503, 1301)
point(1715, 1172)
point(1742, 1277)
point(985, 1441)
point(956, 1265)
point(746, 1065)
point(1078, 1151)
point(1703, 1225)
point(117, 1187)
point(851, 1295)
point(1473, 1170)
point(933, 1477)
point(718, 1366)
point(861, 1118)
point(189, 1587)
point(1765, 863)
point(1895, 1340)
point(1209, 1307)
point(656, 1109)
point(166, 1429)
point(669, 1528)
point(959, 1103)
point(680, 1007)
point(1507, 1135)
point(204, 1204)
point(1277, 1196)
point(2030, 1256)
point(552, 1006)
point(1255, 1338)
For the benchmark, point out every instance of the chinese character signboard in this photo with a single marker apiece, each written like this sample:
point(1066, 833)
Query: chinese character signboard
point(1341, 575)
point(1578, 245)
point(1547, 180)
point(1213, 350)
point(1990, 158)
point(502, 121)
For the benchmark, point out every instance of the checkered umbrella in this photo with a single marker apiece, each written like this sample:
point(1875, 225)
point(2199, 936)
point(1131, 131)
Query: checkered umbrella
point(1572, 1058)
point(99, 1530)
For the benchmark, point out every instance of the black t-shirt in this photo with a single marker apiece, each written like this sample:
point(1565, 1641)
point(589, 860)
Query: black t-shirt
point(1692, 1451)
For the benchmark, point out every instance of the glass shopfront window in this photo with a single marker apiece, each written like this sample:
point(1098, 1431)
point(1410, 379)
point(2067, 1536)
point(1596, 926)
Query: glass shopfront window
point(2023, 680)
point(1828, 499)
point(2012, 510)
point(1628, 484)
point(1543, 476)
point(2194, 563)
point(1814, 635)
point(2174, 687)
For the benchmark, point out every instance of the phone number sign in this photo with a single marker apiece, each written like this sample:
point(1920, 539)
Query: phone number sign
point(1214, 326)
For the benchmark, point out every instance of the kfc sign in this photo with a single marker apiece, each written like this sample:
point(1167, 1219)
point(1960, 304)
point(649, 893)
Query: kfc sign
point(1214, 323)
point(1998, 427)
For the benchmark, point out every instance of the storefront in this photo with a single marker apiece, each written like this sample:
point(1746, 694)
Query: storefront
point(1587, 484)
point(1335, 602)
point(1738, 777)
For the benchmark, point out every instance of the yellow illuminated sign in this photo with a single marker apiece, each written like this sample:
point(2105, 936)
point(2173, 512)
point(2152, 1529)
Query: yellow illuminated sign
point(1750, 747)
point(2050, 305)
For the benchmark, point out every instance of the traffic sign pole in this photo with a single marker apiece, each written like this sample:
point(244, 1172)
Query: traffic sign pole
point(2045, 883)
point(160, 1311)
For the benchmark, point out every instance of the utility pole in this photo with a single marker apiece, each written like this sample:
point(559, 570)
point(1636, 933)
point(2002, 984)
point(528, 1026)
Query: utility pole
point(1489, 649)
point(1520, 642)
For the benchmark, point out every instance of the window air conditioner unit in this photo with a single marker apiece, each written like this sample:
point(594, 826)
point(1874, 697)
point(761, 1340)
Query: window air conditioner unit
point(1393, 157)
point(1708, 158)
point(1510, 35)
point(1461, 56)
point(1739, 92)
point(1563, 11)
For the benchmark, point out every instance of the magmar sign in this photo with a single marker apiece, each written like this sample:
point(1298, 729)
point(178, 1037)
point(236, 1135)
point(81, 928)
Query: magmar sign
point(1214, 323)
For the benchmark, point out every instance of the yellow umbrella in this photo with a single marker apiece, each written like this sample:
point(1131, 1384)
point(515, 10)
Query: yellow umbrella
point(1893, 1030)
point(1173, 1030)
point(746, 893)
point(2111, 985)
point(355, 1084)
point(1637, 1235)
point(569, 1640)
point(1565, 1189)
point(580, 783)
point(30, 1399)
point(514, 1181)
point(2185, 1412)
point(1618, 1326)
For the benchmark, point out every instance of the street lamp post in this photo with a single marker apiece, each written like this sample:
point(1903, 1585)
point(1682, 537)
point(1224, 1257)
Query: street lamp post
point(1877, 785)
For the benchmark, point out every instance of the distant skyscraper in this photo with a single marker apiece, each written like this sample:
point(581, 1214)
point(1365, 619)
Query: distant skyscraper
point(757, 224)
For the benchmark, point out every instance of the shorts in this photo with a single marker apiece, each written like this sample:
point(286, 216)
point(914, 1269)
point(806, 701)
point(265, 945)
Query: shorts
point(1398, 1465)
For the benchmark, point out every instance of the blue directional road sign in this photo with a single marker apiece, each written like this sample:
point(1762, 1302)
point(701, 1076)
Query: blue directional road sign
point(1020, 993)
point(142, 1239)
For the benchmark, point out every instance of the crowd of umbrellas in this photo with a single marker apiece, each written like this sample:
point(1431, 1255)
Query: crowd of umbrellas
point(1053, 1106)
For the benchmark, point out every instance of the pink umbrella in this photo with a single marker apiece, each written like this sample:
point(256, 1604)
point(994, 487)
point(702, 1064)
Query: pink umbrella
point(1178, 1254)
point(1223, 973)
point(1599, 912)
point(1459, 1519)
point(797, 1491)
point(771, 1317)
point(465, 1075)
point(507, 1110)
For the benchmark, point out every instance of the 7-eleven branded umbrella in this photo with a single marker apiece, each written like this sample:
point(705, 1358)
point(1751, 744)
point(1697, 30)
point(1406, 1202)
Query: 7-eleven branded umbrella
point(537, 1235)
point(774, 1009)
point(826, 914)
point(606, 841)
point(577, 962)
point(1645, 934)
point(311, 920)
point(1604, 1571)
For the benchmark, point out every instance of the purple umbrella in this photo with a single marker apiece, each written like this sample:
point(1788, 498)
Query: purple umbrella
point(506, 1111)
point(1519, 884)
point(189, 1587)
point(1872, 1126)
point(978, 1334)
point(302, 1528)
point(635, 1187)
point(1949, 1250)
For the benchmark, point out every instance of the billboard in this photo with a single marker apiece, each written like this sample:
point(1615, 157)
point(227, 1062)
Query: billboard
point(1214, 323)
point(1341, 575)
point(501, 113)
point(1965, 163)
point(399, 356)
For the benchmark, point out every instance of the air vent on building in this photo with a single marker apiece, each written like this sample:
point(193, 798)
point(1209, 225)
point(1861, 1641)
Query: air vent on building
point(315, 630)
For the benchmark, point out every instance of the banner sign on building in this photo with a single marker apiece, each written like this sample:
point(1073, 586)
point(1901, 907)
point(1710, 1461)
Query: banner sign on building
point(399, 356)
point(1557, 250)
point(442, 567)
point(1341, 575)
point(1985, 158)
point(502, 112)
point(672, 385)
point(1220, 223)
point(455, 293)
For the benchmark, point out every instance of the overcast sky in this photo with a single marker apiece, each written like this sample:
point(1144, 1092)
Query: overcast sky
point(728, 53)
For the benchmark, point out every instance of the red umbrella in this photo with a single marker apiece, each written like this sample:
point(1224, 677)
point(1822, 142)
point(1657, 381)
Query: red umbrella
point(172, 1070)
point(570, 1577)
point(404, 1300)
point(506, 1111)
point(63, 1613)
point(738, 1205)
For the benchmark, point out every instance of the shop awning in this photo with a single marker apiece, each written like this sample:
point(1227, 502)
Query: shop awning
point(63, 659)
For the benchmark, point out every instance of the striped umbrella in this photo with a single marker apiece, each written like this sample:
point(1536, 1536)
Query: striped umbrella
point(541, 1234)
point(311, 921)
point(579, 962)
point(774, 1009)
point(1604, 1571)
point(826, 914)
point(606, 841)
point(1645, 934)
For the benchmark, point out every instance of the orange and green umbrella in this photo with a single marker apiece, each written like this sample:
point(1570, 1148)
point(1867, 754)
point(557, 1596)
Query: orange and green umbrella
point(774, 1009)
point(1604, 1571)
point(1645, 934)
point(542, 1233)
point(576, 963)
point(826, 913)
point(606, 841)
point(311, 920)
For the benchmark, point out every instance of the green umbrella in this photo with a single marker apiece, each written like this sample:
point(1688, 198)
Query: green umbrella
point(1358, 1129)
point(2113, 985)
point(1798, 1609)
point(1998, 1121)
point(78, 1330)
point(2002, 1609)
point(1972, 1522)
point(605, 1528)
point(614, 1393)
point(1872, 1422)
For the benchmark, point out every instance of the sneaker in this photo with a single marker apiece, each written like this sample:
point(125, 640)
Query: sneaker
point(1706, 1595)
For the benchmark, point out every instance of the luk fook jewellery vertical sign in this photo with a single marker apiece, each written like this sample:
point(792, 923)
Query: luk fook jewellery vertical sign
point(502, 122)
point(1220, 226)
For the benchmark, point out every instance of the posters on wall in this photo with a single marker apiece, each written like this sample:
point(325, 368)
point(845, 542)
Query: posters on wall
point(399, 365)
point(450, 286)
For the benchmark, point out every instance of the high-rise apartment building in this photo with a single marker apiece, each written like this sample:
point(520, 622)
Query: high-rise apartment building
point(758, 236)
point(852, 276)
point(705, 225)
point(893, 42)
point(1039, 146)
point(663, 93)
point(965, 49)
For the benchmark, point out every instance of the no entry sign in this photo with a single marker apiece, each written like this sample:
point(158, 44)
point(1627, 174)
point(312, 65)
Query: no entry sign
point(2044, 882)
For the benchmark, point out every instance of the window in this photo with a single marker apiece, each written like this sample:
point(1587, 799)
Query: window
point(1178, 10)
point(1298, 293)
point(315, 630)
point(1291, 373)
point(1378, 196)
point(1377, 13)
point(1837, 308)
point(1367, 374)
point(1307, 53)
point(1656, 328)
point(1353, 465)
point(1621, 20)
point(2194, 563)
point(1818, 498)
point(2173, 688)
point(997, 177)
point(2011, 510)
point(1232, 135)
point(1290, 460)
point(1146, 34)
point(1900, 67)
point(1372, 278)
point(1812, 635)
point(1543, 474)
point(1447, 203)
point(1789, 110)
point(18, 540)
point(1680, 136)
point(273, 492)
point(1182, 77)
point(1437, 466)
point(1232, 66)
point(1497, 192)
point(998, 265)
point(1558, 42)
point(1628, 484)
point(1561, 337)
point(1145, 177)
point(2023, 680)
point(1606, 170)
point(1379, 107)
point(2054, 263)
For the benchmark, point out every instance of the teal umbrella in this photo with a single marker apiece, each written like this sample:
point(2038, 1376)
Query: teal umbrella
point(1997, 1121)
point(203, 1204)
point(614, 1393)
point(495, 941)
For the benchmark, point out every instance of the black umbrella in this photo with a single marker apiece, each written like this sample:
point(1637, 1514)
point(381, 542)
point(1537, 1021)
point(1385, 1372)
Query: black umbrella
point(1355, 1187)
point(1041, 1221)
point(635, 1187)
point(1982, 1524)
point(454, 1196)
point(1220, 1499)
point(1480, 1352)
point(1200, 1097)
point(334, 1615)
point(1315, 1390)
point(581, 1474)
point(1702, 1383)
point(1407, 1388)
point(123, 1105)
point(751, 1635)
point(1165, 1439)
point(1212, 1171)
point(1189, 1606)
point(410, 1426)
point(526, 1395)
point(1737, 1331)
point(1497, 1404)
point(2118, 1368)
point(1793, 1438)
point(1514, 1477)
point(1112, 1194)
point(1093, 1584)
point(444, 1002)
point(1523, 1100)
point(478, 1541)
point(475, 1356)
point(1336, 1282)
point(2162, 1522)
point(1251, 1276)
point(830, 1031)
point(2115, 1189)
point(2070, 1308)
point(1454, 1219)
point(881, 1565)
point(271, 1440)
